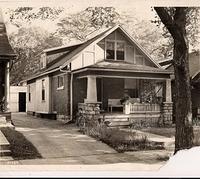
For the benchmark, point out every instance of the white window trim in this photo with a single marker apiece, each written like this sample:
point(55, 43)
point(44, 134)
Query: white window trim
point(61, 87)
point(115, 49)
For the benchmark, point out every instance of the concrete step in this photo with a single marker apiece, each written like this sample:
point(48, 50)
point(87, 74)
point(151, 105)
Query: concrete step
point(5, 153)
point(116, 119)
point(2, 120)
point(4, 146)
point(118, 123)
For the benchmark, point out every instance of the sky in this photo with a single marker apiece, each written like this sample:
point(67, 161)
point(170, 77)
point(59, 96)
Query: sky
point(141, 8)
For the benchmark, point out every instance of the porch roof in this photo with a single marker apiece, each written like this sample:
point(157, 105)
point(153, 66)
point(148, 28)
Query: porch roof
point(125, 66)
point(122, 70)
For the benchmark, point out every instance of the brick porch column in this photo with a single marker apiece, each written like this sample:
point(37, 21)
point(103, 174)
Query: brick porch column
point(91, 89)
point(168, 90)
point(7, 86)
point(167, 104)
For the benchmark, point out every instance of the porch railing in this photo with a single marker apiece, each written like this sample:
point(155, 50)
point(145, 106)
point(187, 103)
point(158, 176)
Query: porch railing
point(146, 107)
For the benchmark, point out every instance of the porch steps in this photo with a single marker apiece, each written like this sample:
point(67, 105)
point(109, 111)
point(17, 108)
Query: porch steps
point(117, 120)
point(4, 146)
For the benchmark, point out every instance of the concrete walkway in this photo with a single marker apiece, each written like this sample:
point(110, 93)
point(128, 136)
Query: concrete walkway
point(60, 143)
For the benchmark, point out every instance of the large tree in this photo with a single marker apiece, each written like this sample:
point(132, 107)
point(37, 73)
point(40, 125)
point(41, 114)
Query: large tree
point(176, 20)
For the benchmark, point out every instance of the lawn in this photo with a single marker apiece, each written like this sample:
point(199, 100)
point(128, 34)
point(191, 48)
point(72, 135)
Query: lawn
point(20, 147)
point(123, 141)
point(170, 132)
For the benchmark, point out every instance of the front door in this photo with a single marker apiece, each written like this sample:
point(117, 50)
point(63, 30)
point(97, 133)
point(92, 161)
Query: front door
point(22, 102)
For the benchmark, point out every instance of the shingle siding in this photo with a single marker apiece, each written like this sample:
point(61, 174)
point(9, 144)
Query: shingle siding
point(61, 97)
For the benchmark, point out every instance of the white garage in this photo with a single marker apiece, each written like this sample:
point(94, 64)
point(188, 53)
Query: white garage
point(18, 98)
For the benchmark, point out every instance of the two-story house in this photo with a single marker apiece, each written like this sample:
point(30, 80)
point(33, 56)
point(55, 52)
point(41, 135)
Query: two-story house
point(100, 70)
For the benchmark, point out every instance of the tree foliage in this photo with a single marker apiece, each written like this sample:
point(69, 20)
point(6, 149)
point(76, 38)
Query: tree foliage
point(28, 43)
point(23, 15)
point(192, 30)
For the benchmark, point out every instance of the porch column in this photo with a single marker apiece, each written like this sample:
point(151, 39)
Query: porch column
point(91, 89)
point(168, 91)
point(167, 107)
point(7, 86)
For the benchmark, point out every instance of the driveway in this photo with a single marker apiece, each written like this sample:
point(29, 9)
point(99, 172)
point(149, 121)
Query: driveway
point(60, 143)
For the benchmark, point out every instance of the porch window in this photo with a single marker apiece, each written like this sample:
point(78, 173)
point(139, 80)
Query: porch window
point(132, 87)
point(43, 90)
point(115, 50)
point(60, 82)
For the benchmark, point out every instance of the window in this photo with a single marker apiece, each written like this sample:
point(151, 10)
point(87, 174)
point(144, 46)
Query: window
point(110, 50)
point(115, 50)
point(120, 51)
point(29, 93)
point(43, 90)
point(60, 82)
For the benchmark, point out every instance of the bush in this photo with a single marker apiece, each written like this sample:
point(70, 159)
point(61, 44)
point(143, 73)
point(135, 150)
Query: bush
point(120, 140)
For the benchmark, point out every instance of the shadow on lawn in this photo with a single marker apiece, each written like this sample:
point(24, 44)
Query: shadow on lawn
point(20, 147)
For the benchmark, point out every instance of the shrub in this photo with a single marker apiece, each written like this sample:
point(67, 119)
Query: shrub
point(120, 140)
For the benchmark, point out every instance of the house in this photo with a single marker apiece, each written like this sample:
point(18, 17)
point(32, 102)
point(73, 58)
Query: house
point(194, 69)
point(95, 75)
point(6, 55)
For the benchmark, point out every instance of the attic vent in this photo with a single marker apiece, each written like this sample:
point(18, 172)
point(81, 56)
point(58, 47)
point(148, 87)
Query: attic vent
point(43, 61)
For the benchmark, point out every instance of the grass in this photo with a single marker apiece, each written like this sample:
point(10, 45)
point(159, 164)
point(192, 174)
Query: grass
point(20, 147)
point(123, 141)
point(167, 132)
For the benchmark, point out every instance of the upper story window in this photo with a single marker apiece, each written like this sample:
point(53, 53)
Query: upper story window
point(43, 61)
point(60, 82)
point(115, 50)
point(43, 90)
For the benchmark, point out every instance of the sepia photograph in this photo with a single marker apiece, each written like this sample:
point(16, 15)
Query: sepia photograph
point(106, 88)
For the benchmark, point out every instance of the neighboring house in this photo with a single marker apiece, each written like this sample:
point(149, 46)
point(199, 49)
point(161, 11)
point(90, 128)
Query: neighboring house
point(6, 55)
point(194, 69)
point(100, 71)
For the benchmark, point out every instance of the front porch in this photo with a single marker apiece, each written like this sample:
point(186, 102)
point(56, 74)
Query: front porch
point(149, 97)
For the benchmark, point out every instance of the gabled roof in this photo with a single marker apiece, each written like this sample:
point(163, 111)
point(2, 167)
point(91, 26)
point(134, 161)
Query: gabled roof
point(5, 47)
point(76, 49)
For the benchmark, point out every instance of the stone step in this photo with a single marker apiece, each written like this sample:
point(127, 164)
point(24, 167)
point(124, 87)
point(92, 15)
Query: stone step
point(5, 153)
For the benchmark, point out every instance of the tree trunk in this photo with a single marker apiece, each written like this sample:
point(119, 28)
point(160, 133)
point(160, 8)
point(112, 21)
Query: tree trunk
point(176, 24)
point(184, 129)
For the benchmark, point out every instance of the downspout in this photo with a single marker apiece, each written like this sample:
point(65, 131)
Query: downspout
point(71, 92)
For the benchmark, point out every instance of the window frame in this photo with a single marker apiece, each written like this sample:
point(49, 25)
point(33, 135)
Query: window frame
point(115, 49)
point(60, 87)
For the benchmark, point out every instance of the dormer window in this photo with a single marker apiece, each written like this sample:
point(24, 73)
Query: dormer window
point(43, 61)
point(115, 50)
